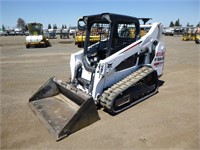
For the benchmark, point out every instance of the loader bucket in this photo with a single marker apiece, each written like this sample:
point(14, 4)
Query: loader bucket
point(62, 108)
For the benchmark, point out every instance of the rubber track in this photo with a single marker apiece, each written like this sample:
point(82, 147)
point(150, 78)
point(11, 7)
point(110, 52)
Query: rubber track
point(110, 94)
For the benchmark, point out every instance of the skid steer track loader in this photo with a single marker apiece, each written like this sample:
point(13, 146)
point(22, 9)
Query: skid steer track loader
point(119, 71)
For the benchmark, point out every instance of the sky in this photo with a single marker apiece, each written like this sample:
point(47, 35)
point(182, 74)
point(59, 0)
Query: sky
point(67, 12)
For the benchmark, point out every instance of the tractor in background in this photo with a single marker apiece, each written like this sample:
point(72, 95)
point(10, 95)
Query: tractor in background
point(36, 37)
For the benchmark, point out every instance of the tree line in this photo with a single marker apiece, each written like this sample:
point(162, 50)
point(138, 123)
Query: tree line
point(21, 24)
point(55, 26)
point(177, 24)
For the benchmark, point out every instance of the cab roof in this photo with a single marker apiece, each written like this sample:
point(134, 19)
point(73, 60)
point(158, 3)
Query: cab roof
point(109, 18)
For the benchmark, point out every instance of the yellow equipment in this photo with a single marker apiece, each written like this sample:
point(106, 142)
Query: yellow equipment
point(189, 35)
point(197, 36)
point(64, 34)
point(36, 36)
point(185, 37)
point(81, 34)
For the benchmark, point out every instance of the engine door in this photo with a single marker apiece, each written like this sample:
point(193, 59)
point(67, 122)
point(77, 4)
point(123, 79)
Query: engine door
point(158, 62)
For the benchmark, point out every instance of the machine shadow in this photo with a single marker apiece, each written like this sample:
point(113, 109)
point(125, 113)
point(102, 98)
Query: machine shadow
point(161, 83)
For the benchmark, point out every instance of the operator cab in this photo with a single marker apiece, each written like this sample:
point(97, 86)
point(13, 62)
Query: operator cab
point(35, 28)
point(115, 31)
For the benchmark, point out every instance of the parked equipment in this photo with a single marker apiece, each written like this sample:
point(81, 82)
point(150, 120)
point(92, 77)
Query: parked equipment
point(64, 33)
point(119, 71)
point(197, 36)
point(169, 31)
point(52, 33)
point(81, 34)
point(36, 36)
point(186, 36)
point(144, 29)
point(189, 35)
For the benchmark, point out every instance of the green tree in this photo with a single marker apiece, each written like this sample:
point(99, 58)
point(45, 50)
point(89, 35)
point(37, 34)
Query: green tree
point(171, 24)
point(49, 26)
point(3, 28)
point(21, 24)
point(55, 26)
point(188, 24)
point(177, 23)
point(198, 25)
point(63, 27)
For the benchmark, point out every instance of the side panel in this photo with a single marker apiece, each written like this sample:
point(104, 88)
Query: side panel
point(75, 60)
point(34, 38)
point(106, 74)
point(158, 62)
point(152, 41)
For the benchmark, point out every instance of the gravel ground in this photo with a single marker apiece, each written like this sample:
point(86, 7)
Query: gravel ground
point(168, 120)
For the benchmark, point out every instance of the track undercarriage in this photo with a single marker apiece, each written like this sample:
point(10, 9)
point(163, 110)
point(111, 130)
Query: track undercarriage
point(133, 89)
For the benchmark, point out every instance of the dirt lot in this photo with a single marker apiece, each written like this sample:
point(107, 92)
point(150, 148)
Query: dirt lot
point(168, 120)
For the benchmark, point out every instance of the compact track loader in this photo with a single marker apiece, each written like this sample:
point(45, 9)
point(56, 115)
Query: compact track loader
point(36, 36)
point(119, 71)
